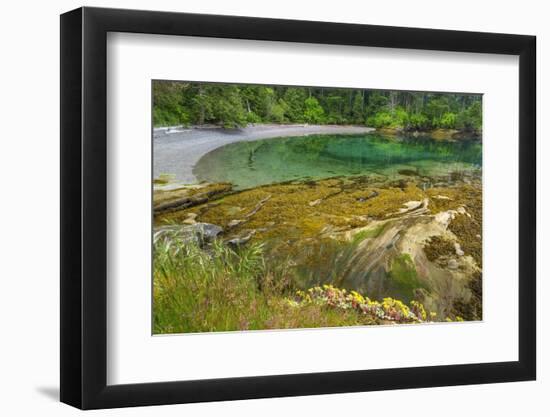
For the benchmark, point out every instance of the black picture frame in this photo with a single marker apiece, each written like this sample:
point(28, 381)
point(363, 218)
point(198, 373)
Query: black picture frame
point(84, 207)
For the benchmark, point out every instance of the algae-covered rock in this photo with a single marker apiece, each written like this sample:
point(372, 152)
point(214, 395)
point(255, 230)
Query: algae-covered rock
point(399, 239)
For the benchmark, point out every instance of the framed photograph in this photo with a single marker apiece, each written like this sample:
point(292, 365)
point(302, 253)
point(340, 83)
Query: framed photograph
point(257, 208)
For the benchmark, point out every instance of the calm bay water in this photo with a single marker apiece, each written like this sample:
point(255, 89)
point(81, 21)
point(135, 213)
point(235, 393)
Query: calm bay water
point(250, 164)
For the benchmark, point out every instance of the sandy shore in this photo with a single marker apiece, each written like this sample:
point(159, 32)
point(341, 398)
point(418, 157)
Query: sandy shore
point(176, 151)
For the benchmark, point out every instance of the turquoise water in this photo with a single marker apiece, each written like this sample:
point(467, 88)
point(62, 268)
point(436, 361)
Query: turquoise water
point(250, 164)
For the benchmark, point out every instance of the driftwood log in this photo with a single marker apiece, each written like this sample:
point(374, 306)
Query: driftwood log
point(189, 201)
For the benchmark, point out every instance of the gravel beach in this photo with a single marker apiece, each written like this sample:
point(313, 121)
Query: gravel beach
point(177, 150)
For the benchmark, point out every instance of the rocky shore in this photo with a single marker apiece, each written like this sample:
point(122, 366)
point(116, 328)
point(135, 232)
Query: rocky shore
point(382, 238)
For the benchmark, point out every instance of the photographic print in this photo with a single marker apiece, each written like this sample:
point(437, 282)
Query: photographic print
point(284, 207)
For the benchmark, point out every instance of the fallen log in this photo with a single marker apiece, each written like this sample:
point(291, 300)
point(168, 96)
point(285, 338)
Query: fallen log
point(186, 201)
point(182, 203)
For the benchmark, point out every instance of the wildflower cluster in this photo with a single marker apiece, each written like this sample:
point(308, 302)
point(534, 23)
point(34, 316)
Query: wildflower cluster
point(389, 309)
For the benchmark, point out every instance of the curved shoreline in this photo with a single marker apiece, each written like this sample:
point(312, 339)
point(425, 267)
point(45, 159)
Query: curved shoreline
point(176, 151)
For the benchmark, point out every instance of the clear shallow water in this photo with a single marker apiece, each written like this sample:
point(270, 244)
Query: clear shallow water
point(250, 164)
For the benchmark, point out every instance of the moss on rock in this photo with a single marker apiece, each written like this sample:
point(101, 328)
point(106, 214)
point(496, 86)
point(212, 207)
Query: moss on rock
point(404, 277)
point(438, 247)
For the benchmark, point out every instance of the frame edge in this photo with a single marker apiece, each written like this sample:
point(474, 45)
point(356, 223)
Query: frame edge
point(527, 136)
point(70, 214)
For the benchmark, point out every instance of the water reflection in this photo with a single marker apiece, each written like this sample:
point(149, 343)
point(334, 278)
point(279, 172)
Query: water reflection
point(250, 164)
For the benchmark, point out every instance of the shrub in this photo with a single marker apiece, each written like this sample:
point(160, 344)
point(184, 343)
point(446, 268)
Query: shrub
point(252, 117)
point(382, 119)
point(172, 117)
point(399, 118)
point(278, 112)
point(313, 113)
point(448, 121)
point(418, 121)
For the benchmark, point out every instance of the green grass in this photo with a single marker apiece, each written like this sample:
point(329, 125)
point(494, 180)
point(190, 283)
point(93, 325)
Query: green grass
point(221, 289)
point(218, 288)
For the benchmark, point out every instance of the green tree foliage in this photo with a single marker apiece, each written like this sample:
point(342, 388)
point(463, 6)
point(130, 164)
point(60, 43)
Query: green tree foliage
point(380, 119)
point(470, 119)
point(448, 120)
point(278, 112)
point(294, 99)
point(228, 105)
point(313, 112)
point(418, 121)
point(168, 108)
point(358, 107)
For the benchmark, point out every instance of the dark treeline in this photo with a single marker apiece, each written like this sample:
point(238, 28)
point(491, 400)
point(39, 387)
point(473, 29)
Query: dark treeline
point(190, 103)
